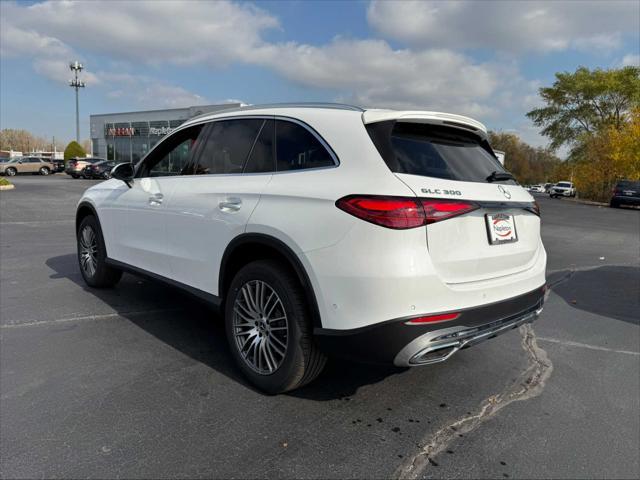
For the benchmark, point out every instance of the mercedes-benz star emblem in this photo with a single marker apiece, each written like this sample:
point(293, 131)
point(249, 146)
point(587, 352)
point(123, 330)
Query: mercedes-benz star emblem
point(504, 191)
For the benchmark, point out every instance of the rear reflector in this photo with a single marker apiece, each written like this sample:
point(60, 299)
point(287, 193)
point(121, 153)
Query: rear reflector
point(443, 317)
point(403, 212)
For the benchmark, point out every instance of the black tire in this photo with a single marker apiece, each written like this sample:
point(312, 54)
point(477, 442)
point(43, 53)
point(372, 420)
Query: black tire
point(10, 172)
point(102, 275)
point(614, 204)
point(74, 176)
point(44, 171)
point(302, 361)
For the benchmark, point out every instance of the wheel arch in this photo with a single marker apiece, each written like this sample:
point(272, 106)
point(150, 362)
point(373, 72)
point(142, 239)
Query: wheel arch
point(248, 247)
point(85, 209)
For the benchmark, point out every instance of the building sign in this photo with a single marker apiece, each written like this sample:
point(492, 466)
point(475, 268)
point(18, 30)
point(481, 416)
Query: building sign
point(121, 132)
point(160, 130)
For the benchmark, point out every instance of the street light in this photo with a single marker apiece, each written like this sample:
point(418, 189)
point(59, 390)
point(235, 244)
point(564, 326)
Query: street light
point(76, 67)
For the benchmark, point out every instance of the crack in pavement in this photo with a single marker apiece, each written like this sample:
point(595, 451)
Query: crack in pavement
point(530, 383)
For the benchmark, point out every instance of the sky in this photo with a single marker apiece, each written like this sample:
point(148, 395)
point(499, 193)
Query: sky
point(484, 59)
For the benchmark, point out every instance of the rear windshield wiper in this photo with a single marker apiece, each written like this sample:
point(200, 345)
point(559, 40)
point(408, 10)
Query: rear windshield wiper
point(497, 176)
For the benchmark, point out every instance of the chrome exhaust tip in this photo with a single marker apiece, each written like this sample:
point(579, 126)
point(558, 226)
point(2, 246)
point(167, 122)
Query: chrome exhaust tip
point(434, 354)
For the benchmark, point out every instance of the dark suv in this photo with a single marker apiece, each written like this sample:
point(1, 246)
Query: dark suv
point(626, 192)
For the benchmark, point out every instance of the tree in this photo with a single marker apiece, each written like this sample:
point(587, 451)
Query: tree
point(24, 141)
point(582, 103)
point(528, 164)
point(73, 150)
point(612, 155)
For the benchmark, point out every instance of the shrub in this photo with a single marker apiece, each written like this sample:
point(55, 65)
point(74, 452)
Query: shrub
point(73, 150)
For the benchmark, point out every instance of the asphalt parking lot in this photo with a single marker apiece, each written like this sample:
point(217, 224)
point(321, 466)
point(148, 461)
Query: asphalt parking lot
point(138, 382)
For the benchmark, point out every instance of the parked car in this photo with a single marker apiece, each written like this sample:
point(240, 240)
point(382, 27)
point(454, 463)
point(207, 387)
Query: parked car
point(100, 170)
point(562, 189)
point(31, 165)
point(626, 192)
point(265, 212)
point(58, 165)
point(536, 188)
point(75, 166)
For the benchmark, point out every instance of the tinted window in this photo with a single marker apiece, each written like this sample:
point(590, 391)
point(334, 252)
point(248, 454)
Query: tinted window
point(261, 158)
point(628, 185)
point(227, 146)
point(297, 148)
point(433, 151)
point(172, 155)
point(564, 184)
point(34, 160)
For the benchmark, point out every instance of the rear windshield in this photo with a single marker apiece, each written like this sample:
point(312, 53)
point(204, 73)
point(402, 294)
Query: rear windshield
point(628, 184)
point(434, 151)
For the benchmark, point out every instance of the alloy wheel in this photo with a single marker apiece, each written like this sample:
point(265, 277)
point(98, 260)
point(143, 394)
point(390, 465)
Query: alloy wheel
point(260, 327)
point(88, 251)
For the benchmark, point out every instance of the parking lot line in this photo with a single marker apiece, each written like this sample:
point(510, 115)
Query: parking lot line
point(585, 345)
point(90, 317)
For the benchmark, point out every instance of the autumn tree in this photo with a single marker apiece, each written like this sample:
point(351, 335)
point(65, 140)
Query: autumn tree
point(528, 164)
point(23, 141)
point(585, 102)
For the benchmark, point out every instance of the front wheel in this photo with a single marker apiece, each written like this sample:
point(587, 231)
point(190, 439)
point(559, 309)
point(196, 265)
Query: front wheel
point(269, 328)
point(11, 172)
point(44, 171)
point(92, 256)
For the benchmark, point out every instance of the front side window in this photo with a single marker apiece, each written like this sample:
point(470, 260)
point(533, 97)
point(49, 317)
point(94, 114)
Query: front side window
point(172, 155)
point(297, 148)
point(227, 146)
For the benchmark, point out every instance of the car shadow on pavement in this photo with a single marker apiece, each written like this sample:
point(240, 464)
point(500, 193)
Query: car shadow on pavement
point(604, 291)
point(196, 329)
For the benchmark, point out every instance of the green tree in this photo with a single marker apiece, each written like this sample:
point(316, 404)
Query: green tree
point(73, 150)
point(581, 103)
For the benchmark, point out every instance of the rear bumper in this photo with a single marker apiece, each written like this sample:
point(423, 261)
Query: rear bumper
point(409, 345)
point(626, 199)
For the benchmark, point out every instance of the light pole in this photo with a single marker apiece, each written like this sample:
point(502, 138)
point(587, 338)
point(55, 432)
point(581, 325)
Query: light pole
point(76, 67)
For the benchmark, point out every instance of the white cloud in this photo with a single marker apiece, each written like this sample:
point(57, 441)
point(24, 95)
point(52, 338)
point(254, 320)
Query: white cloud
point(630, 60)
point(216, 33)
point(508, 26)
point(151, 32)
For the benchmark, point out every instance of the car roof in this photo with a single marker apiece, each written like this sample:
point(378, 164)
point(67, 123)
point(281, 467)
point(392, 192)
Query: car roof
point(368, 115)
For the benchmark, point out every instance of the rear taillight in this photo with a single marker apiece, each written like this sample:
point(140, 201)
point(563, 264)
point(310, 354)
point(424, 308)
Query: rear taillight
point(536, 208)
point(403, 212)
point(437, 209)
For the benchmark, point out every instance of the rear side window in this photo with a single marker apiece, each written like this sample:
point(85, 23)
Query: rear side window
point(227, 146)
point(297, 148)
point(433, 151)
point(628, 185)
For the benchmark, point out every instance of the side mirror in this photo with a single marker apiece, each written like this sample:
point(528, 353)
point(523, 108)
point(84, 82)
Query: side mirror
point(124, 172)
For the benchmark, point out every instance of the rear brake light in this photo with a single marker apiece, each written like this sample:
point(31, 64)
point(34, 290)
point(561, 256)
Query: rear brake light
point(437, 209)
point(390, 212)
point(443, 317)
point(403, 212)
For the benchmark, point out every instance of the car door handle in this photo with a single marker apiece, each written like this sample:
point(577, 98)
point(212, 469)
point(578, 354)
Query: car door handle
point(230, 205)
point(156, 199)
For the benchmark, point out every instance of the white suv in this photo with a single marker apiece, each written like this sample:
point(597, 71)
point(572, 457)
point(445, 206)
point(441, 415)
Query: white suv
point(384, 236)
point(562, 189)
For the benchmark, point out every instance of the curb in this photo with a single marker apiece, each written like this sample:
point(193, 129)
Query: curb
point(7, 187)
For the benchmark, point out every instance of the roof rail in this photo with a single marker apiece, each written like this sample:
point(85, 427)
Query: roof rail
point(336, 106)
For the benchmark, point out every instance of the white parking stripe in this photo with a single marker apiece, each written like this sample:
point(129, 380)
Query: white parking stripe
point(585, 345)
point(90, 317)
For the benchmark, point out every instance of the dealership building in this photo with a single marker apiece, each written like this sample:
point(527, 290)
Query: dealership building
point(128, 136)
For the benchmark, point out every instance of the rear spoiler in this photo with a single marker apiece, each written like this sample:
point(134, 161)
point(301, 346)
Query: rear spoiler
point(435, 118)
